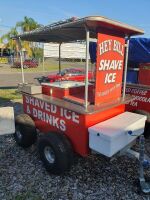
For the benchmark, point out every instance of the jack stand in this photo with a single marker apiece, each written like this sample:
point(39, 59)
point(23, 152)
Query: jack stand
point(145, 186)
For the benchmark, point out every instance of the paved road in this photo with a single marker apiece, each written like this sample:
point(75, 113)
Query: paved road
point(12, 79)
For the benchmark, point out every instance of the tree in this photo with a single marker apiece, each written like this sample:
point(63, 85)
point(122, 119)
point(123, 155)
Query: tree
point(10, 43)
point(28, 24)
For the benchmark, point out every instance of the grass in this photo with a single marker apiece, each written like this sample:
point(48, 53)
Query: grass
point(9, 94)
point(49, 65)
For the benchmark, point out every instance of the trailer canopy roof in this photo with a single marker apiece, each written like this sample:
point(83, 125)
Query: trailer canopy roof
point(75, 30)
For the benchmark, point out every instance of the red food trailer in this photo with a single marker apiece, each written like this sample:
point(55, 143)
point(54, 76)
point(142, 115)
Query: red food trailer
point(83, 117)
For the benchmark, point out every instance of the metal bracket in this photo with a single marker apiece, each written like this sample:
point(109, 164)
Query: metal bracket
point(145, 186)
point(144, 161)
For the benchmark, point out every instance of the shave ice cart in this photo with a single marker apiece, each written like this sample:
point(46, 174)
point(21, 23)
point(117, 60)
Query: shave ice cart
point(82, 117)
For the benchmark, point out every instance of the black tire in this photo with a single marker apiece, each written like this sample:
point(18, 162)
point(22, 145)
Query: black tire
point(56, 152)
point(147, 130)
point(25, 134)
point(147, 124)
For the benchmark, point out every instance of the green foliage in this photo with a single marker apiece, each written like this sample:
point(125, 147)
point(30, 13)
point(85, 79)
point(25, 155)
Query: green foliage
point(9, 94)
point(27, 24)
point(12, 44)
point(37, 53)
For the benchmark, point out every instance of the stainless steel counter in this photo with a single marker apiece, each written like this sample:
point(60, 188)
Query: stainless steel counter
point(91, 109)
point(65, 84)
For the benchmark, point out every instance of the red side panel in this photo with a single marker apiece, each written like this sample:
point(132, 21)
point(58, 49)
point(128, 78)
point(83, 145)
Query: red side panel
point(54, 92)
point(142, 98)
point(49, 117)
point(144, 76)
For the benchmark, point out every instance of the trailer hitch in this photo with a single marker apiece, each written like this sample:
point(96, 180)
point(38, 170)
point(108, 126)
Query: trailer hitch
point(144, 162)
point(145, 186)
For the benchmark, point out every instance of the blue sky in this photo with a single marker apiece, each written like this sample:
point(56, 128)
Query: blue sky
point(133, 12)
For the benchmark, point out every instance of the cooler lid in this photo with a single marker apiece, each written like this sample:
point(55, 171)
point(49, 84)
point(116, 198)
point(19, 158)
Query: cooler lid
point(113, 128)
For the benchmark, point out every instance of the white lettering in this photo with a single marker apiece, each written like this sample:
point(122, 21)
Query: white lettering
point(41, 104)
point(48, 118)
point(36, 103)
point(40, 115)
point(53, 108)
point(28, 110)
point(111, 65)
point(75, 117)
point(34, 112)
point(32, 101)
point(118, 47)
point(27, 99)
point(62, 125)
point(47, 107)
point(54, 121)
point(110, 78)
point(105, 46)
point(66, 115)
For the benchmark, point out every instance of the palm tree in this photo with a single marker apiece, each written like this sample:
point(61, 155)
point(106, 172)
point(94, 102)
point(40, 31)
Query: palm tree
point(10, 43)
point(28, 24)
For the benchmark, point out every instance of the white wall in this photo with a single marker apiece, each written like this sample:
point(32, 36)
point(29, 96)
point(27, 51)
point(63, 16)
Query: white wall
point(68, 50)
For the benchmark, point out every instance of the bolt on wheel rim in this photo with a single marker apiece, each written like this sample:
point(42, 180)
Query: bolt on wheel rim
point(49, 154)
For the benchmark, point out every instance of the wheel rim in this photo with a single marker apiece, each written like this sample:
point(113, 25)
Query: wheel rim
point(18, 133)
point(49, 154)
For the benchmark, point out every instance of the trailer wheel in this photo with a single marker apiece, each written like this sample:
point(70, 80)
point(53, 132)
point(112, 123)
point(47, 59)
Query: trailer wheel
point(55, 152)
point(147, 124)
point(25, 134)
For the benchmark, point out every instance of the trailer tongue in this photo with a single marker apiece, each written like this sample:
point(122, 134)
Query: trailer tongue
point(87, 116)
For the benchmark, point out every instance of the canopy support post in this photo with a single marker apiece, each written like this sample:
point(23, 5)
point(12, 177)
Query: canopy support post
point(43, 61)
point(86, 67)
point(21, 59)
point(60, 58)
point(125, 67)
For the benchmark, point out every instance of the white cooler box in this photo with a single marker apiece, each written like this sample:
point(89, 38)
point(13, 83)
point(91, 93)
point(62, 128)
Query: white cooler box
point(114, 134)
